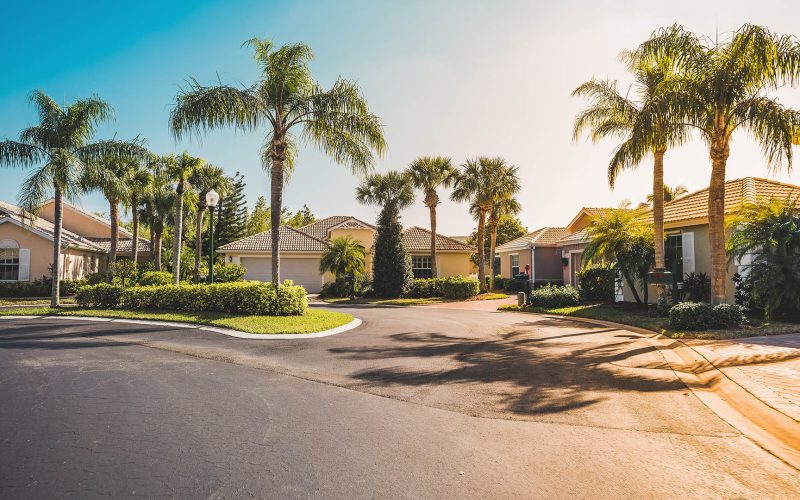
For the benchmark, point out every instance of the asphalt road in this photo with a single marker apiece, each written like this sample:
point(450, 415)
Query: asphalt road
point(420, 402)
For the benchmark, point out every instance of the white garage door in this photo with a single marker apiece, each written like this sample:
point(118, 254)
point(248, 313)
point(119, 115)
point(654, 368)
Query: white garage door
point(303, 271)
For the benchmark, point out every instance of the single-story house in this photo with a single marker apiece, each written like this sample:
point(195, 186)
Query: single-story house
point(302, 248)
point(26, 243)
point(536, 254)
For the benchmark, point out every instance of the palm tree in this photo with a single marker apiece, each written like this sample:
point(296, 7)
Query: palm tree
point(61, 144)
point(482, 182)
point(343, 256)
point(770, 232)
point(203, 180)
point(286, 100)
point(393, 191)
point(621, 237)
point(159, 203)
point(501, 208)
point(721, 89)
point(180, 169)
point(139, 181)
point(642, 131)
point(428, 173)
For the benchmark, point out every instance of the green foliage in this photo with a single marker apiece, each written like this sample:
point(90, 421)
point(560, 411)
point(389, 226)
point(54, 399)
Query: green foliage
point(453, 288)
point(343, 256)
point(301, 218)
point(423, 288)
point(340, 287)
point(509, 228)
point(701, 316)
point(258, 222)
point(231, 222)
point(41, 287)
point(95, 278)
point(555, 296)
point(696, 287)
point(597, 283)
point(125, 271)
point(150, 278)
point(225, 273)
point(101, 295)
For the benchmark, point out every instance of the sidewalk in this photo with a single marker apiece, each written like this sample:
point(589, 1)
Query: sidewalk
point(767, 367)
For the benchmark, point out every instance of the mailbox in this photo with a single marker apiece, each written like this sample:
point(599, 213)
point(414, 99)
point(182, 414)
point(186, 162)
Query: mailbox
point(659, 278)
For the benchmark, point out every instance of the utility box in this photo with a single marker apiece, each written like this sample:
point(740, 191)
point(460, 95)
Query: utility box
point(521, 298)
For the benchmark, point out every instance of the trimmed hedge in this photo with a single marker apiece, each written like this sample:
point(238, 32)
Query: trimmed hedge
point(42, 287)
point(555, 296)
point(150, 278)
point(246, 297)
point(597, 283)
point(702, 316)
point(454, 288)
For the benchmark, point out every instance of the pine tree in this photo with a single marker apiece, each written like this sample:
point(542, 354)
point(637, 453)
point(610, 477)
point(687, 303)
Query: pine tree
point(301, 218)
point(231, 224)
point(259, 217)
point(392, 265)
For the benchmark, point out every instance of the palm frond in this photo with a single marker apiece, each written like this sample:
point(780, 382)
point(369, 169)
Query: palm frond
point(19, 154)
point(773, 127)
point(200, 108)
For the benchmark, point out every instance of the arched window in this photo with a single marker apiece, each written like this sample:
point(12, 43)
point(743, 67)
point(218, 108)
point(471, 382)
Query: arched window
point(9, 260)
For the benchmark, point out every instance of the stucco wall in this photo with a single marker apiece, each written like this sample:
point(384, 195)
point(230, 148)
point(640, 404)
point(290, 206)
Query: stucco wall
point(454, 264)
point(77, 223)
point(565, 251)
point(547, 265)
point(364, 236)
point(505, 261)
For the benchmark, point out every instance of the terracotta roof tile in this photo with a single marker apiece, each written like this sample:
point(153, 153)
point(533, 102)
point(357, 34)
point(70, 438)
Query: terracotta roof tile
point(292, 240)
point(320, 228)
point(545, 236)
point(123, 245)
point(418, 239)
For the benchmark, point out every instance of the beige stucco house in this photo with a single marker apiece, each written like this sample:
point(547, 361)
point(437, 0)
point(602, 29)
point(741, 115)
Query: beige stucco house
point(302, 248)
point(536, 254)
point(26, 243)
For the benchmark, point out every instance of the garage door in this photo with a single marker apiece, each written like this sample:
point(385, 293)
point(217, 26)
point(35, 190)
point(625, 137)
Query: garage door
point(303, 271)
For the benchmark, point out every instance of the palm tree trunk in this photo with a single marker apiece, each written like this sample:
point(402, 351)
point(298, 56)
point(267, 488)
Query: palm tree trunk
point(716, 221)
point(178, 233)
point(198, 242)
point(157, 249)
point(55, 299)
point(112, 253)
point(434, 267)
point(481, 251)
point(276, 199)
point(135, 242)
point(632, 285)
point(658, 208)
point(492, 246)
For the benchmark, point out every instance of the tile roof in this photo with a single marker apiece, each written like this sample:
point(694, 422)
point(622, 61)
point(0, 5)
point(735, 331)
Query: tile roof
point(737, 192)
point(123, 245)
point(320, 228)
point(581, 236)
point(418, 239)
point(16, 214)
point(86, 213)
point(545, 236)
point(292, 240)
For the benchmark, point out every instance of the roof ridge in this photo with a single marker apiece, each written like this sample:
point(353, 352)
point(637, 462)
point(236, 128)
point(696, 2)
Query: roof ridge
point(437, 234)
point(297, 230)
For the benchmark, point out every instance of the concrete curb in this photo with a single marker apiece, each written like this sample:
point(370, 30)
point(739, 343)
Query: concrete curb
point(224, 331)
point(770, 429)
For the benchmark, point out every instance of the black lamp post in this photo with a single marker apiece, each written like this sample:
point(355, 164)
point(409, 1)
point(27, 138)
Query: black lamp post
point(212, 198)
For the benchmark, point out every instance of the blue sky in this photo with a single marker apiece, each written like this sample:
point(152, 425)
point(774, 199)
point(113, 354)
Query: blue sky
point(456, 78)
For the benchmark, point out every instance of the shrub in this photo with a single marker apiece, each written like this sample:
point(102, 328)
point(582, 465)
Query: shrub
point(701, 316)
point(423, 288)
point(228, 272)
point(459, 287)
point(99, 295)
point(41, 287)
point(124, 271)
point(150, 278)
point(340, 288)
point(247, 297)
point(95, 278)
point(555, 296)
point(597, 283)
point(70, 287)
point(696, 287)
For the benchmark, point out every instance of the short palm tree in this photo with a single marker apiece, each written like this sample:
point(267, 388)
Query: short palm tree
point(642, 131)
point(723, 88)
point(427, 174)
point(622, 238)
point(501, 208)
point(180, 169)
point(286, 101)
point(157, 207)
point(770, 232)
point(203, 180)
point(62, 144)
point(139, 181)
point(482, 182)
point(343, 256)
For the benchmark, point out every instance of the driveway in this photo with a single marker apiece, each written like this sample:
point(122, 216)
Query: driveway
point(417, 402)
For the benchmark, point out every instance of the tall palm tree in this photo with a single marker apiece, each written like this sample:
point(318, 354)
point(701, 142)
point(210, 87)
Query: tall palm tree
point(482, 182)
point(62, 145)
point(157, 207)
point(501, 208)
point(724, 88)
point(392, 191)
point(139, 181)
point(642, 131)
point(286, 101)
point(204, 179)
point(180, 169)
point(427, 174)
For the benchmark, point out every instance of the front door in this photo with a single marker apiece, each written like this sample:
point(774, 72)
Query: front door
point(575, 267)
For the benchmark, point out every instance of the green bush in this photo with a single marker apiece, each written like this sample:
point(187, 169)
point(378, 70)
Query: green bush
point(42, 287)
point(96, 278)
point(228, 272)
point(702, 316)
point(597, 283)
point(459, 287)
point(247, 297)
point(424, 288)
point(555, 296)
point(150, 278)
point(100, 295)
point(340, 287)
point(125, 272)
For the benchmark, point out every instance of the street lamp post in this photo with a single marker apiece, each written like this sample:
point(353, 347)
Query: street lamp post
point(212, 198)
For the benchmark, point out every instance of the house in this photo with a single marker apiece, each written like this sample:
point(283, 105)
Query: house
point(302, 248)
point(536, 253)
point(26, 243)
point(574, 242)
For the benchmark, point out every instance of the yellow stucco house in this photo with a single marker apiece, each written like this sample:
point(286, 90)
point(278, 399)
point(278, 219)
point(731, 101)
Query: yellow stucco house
point(26, 243)
point(302, 248)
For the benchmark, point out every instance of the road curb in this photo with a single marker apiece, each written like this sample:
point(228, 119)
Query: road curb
point(355, 323)
point(770, 429)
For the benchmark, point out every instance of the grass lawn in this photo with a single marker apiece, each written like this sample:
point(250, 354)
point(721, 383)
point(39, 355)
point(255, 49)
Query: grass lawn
point(314, 320)
point(10, 301)
point(630, 314)
point(410, 301)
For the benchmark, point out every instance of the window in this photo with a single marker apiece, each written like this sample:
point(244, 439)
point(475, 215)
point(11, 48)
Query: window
point(673, 255)
point(421, 266)
point(9, 264)
point(514, 265)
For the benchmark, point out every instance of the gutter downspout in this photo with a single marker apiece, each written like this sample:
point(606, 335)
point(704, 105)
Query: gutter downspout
point(533, 266)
